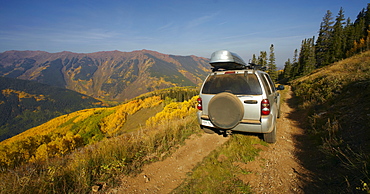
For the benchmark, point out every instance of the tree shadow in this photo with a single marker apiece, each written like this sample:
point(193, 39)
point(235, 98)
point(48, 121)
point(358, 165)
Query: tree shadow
point(321, 179)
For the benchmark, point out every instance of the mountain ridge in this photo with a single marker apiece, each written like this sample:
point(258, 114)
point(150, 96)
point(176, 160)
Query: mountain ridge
point(109, 75)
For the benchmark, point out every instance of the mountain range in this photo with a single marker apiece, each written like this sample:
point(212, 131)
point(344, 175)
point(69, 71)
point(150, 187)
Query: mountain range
point(108, 75)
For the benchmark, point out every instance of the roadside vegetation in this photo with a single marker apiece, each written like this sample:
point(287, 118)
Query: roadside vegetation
point(338, 122)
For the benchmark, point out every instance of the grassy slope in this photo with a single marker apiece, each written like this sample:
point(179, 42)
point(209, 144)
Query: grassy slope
point(99, 158)
point(337, 100)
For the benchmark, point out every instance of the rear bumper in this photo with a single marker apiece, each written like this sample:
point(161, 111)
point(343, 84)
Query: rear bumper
point(264, 125)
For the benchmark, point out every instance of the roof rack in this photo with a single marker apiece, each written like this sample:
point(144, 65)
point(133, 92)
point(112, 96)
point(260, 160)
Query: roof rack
point(250, 66)
point(256, 67)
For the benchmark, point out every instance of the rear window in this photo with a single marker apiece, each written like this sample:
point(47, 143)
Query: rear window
point(238, 84)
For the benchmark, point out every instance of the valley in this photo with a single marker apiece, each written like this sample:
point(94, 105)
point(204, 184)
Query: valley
point(25, 104)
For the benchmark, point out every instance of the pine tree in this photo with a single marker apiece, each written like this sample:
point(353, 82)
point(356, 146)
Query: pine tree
point(323, 43)
point(254, 59)
point(306, 62)
point(262, 59)
point(310, 62)
point(349, 40)
point(367, 18)
point(295, 65)
point(272, 70)
point(287, 70)
point(360, 25)
point(338, 39)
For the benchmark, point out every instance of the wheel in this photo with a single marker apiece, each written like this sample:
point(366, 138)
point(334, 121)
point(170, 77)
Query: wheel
point(225, 110)
point(270, 137)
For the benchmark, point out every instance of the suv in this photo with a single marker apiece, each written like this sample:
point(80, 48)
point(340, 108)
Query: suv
point(237, 97)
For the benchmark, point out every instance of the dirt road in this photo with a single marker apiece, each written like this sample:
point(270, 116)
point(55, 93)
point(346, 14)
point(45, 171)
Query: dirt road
point(166, 175)
point(275, 170)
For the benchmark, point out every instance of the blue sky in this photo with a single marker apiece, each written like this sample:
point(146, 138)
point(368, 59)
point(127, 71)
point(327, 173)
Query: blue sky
point(179, 27)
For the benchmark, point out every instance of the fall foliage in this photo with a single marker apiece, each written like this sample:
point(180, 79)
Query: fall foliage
point(66, 133)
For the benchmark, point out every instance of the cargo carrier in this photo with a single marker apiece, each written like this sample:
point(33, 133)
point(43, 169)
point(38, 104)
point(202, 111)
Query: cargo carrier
point(227, 60)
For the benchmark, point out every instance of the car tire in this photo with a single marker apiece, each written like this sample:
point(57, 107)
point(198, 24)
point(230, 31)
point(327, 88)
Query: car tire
point(270, 137)
point(225, 110)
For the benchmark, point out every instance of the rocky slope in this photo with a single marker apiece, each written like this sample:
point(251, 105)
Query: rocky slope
point(111, 75)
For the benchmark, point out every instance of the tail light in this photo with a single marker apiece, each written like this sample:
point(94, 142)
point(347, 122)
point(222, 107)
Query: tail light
point(265, 107)
point(229, 72)
point(199, 106)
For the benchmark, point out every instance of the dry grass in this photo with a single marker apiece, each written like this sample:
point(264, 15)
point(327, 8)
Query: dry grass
point(98, 163)
point(336, 97)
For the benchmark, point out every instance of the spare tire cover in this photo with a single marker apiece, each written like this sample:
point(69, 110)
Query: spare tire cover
point(225, 110)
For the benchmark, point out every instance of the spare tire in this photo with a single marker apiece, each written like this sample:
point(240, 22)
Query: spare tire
point(225, 110)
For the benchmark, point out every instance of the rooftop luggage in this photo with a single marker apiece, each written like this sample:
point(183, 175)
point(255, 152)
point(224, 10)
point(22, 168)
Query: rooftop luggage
point(227, 60)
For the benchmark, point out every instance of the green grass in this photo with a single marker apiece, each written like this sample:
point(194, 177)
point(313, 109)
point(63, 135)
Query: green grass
point(218, 172)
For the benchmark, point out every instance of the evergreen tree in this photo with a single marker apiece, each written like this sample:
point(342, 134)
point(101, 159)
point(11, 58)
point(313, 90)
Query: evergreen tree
point(254, 59)
point(367, 27)
point(306, 61)
point(295, 65)
point(367, 18)
point(338, 39)
point(324, 43)
point(262, 59)
point(349, 40)
point(360, 25)
point(359, 34)
point(272, 70)
point(310, 58)
point(287, 70)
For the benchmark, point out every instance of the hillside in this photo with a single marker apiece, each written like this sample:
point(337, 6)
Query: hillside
point(112, 75)
point(26, 104)
point(336, 101)
point(68, 132)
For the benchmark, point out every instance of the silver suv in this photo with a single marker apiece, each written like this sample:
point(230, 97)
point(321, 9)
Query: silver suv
point(237, 97)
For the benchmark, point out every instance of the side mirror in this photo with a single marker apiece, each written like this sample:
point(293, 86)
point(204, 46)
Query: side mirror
point(280, 87)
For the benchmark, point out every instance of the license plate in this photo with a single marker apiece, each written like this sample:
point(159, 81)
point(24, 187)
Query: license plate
point(207, 123)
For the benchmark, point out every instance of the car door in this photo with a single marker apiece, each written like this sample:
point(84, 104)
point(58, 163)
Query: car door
point(272, 94)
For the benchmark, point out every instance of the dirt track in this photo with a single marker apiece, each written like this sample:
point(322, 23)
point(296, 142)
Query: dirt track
point(166, 175)
point(275, 170)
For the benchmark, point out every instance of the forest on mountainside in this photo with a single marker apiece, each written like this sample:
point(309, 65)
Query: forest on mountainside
point(26, 104)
